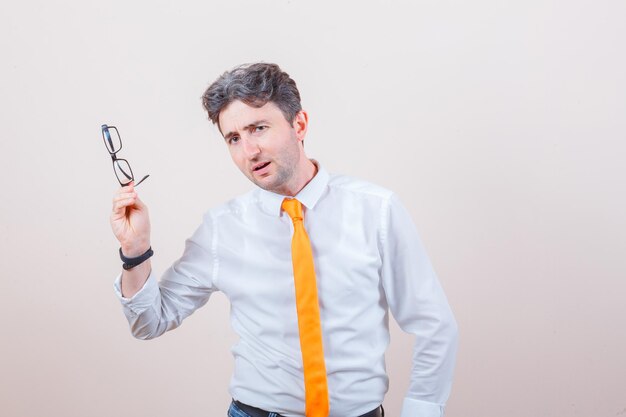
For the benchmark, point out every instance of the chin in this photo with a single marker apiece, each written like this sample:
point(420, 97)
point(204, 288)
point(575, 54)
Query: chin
point(273, 182)
point(272, 186)
point(266, 185)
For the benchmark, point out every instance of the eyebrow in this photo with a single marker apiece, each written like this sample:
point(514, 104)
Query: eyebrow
point(253, 124)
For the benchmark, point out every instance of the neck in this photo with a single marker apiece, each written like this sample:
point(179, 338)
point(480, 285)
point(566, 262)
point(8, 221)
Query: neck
point(304, 175)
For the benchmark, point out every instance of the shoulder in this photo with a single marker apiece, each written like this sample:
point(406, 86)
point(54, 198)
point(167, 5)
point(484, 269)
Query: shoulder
point(233, 207)
point(358, 187)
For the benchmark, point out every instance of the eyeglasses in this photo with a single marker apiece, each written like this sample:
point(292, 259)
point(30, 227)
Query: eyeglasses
point(113, 142)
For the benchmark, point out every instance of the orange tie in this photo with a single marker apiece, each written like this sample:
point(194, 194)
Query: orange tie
point(315, 386)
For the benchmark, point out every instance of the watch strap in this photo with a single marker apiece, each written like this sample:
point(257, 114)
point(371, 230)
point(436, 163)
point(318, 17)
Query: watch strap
point(133, 262)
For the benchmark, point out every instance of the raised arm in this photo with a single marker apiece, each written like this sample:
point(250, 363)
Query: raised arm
point(152, 307)
point(130, 223)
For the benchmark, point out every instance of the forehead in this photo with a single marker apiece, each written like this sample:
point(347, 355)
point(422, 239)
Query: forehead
point(238, 114)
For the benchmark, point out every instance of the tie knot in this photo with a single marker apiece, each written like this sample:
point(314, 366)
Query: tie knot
point(293, 208)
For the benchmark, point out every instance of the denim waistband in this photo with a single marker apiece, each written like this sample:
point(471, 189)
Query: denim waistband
point(257, 412)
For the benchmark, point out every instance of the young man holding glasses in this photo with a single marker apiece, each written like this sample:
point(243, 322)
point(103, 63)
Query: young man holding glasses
point(311, 263)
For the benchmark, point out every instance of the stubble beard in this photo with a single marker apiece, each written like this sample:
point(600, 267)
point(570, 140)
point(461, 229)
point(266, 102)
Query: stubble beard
point(284, 173)
point(282, 176)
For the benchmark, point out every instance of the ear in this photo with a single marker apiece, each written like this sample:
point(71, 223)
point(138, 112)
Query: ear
point(300, 124)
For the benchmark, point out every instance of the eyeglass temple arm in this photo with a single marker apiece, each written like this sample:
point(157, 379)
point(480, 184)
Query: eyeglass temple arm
point(142, 180)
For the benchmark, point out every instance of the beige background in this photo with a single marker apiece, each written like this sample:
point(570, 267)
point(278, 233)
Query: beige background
point(500, 125)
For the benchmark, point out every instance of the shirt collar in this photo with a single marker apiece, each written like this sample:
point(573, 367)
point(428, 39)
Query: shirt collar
point(308, 196)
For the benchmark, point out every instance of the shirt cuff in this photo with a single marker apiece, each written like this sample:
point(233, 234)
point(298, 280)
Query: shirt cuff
point(417, 408)
point(142, 300)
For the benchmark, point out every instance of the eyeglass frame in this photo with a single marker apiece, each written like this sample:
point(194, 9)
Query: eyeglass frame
point(106, 135)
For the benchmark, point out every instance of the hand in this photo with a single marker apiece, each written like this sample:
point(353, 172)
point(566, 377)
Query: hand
point(130, 221)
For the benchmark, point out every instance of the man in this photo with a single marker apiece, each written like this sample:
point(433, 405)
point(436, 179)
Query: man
point(311, 263)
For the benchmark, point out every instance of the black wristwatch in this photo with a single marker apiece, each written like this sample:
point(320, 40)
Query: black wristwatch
point(133, 262)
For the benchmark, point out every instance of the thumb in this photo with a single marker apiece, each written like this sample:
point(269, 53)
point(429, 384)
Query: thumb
point(140, 204)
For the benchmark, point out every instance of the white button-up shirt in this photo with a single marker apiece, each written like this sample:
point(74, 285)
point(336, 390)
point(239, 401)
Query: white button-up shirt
point(368, 260)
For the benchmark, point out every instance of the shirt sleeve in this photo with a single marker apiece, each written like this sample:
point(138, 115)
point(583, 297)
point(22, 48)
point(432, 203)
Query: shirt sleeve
point(419, 305)
point(184, 287)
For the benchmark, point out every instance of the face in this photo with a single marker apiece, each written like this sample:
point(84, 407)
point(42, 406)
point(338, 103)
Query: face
point(264, 145)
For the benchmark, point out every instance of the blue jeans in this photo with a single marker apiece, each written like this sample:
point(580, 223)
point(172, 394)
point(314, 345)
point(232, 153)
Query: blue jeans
point(234, 411)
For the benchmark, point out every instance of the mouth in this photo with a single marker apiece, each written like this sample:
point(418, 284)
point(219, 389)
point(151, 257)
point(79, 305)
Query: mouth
point(259, 167)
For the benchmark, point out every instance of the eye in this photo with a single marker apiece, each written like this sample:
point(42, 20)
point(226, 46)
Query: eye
point(233, 140)
point(260, 128)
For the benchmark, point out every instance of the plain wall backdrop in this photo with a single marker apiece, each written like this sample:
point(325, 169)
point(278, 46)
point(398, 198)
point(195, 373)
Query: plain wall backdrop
point(500, 124)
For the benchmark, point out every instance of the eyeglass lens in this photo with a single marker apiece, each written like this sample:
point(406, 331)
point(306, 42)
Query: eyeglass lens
point(122, 171)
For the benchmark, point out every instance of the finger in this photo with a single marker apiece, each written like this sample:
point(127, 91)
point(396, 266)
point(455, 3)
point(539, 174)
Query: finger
point(126, 189)
point(116, 200)
point(121, 205)
point(122, 196)
point(139, 203)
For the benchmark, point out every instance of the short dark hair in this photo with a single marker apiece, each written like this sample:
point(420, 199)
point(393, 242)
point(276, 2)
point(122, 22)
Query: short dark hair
point(253, 84)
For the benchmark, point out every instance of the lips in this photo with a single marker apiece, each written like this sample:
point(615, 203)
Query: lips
point(260, 166)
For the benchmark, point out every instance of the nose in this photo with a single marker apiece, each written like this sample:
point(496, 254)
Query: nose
point(251, 147)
